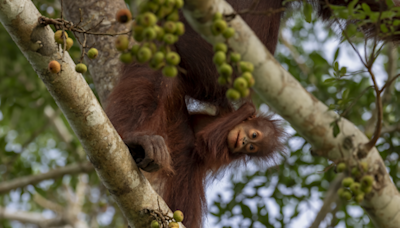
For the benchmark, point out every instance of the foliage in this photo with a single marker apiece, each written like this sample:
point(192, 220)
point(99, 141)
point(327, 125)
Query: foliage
point(325, 64)
point(278, 197)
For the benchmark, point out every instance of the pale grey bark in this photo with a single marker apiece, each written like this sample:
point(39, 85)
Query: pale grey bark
point(106, 67)
point(31, 217)
point(309, 116)
point(103, 146)
point(52, 174)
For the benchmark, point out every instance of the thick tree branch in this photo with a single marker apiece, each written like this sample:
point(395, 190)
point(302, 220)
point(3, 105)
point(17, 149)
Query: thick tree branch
point(309, 116)
point(106, 67)
point(103, 146)
point(52, 174)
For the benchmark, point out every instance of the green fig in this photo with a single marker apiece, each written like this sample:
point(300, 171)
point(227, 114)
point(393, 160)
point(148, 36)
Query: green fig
point(173, 58)
point(170, 71)
point(232, 94)
point(341, 167)
point(225, 70)
point(154, 224)
point(218, 27)
point(228, 33)
point(126, 57)
point(246, 66)
point(219, 58)
point(81, 68)
point(220, 47)
point(178, 216)
point(92, 53)
point(347, 181)
point(122, 43)
point(59, 38)
point(144, 54)
point(235, 57)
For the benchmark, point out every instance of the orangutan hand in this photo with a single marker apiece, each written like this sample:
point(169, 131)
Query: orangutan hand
point(149, 152)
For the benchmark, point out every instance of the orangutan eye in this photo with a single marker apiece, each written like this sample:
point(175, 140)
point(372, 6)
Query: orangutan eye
point(254, 135)
point(251, 147)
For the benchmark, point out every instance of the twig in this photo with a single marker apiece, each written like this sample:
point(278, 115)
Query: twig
point(330, 197)
point(390, 129)
point(69, 26)
point(41, 201)
point(296, 56)
point(378, 127)
point(355, 101)
point(6, 186)
point(387, 88)
point(388, 83)
point(31, 217)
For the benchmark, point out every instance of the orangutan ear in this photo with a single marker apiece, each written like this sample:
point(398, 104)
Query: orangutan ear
point(251, 117)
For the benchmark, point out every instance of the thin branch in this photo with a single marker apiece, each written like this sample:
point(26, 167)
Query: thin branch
point(355, 101)
point(387, 88)
point(388, 83)
point(296, 56)
point(390, 129)
point(59, 125)
point(351, 44)
point(31, 217)
point(378, 128)
point(45, 203)
point(330, 197)
point(52, 174)
point(69, 26)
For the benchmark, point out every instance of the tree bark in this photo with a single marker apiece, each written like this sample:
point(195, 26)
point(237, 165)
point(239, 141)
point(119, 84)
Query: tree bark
point(103, 146)
point(309, 116)
point(106, 67)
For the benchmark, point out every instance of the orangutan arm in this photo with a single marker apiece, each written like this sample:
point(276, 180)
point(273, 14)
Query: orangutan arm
point(135, 110)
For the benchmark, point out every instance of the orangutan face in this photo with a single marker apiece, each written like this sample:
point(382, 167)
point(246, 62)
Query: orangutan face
point(245, 138)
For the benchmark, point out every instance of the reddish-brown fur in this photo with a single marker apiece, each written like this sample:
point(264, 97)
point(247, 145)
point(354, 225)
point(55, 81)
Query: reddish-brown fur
point(146, 103)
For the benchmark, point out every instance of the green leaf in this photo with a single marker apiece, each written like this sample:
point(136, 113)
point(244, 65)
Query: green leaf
point(336, 129)
point(351, 5)
point(366, 8)
point(343, 71)
point(331, 107)
point(336, 66)
point(346, 93)
point(246, 212)
point(344, 14)
point(330, 80)
point(351, 30)
point(384, 29)
point(336, 54)
point(307, 10)
point(374, 16)
point(389, 3)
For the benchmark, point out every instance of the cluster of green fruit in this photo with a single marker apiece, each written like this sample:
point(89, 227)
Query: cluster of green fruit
point(351, 187)
point(55, 67)
point(226, 61)
point(178, 217)
point(157, 27)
